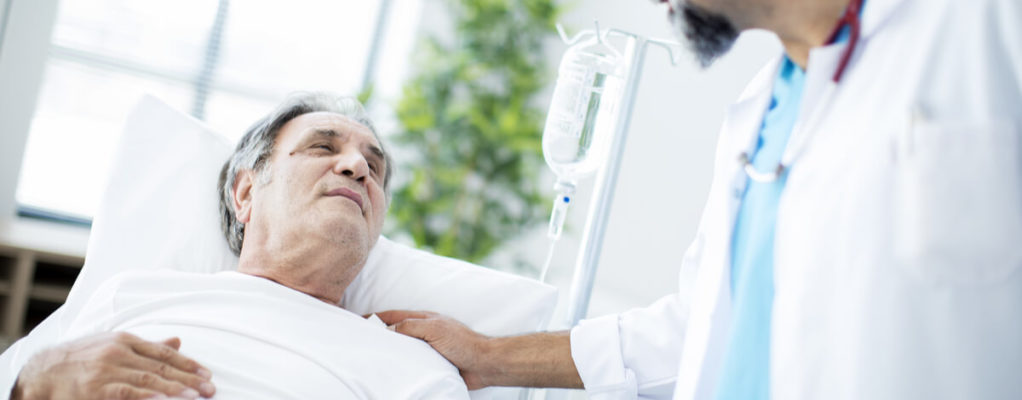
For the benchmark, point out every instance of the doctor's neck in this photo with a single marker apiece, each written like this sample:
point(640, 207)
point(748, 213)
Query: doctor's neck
point(801, 24)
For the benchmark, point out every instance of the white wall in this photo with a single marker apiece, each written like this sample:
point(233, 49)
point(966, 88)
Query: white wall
point(3, 13)
point(667, 165)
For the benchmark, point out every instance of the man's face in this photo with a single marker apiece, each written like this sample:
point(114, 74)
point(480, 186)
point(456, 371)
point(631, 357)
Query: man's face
point(705, 25)
point(325, 184)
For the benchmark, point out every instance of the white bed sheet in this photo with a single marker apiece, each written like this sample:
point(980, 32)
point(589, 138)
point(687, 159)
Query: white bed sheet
point(262, 340)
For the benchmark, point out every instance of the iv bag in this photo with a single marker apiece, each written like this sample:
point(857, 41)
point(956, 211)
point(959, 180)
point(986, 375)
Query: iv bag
point(584, 110)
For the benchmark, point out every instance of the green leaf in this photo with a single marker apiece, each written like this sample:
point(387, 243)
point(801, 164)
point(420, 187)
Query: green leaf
point(468, 115)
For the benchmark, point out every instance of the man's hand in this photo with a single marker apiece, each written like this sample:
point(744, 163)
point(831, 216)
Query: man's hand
point(533, 360)
point(112, 366)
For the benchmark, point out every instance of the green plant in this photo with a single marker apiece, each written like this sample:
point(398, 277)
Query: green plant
point(472, 131)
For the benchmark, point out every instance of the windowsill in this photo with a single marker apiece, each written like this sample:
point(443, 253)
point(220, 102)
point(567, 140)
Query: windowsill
point(60, 239)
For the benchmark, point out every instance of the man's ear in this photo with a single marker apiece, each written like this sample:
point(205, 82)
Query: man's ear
point(241, 194)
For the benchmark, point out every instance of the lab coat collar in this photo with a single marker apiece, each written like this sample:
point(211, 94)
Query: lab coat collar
point(711, 297)
point(746, 115)
point(875, 14)
point(741, 129)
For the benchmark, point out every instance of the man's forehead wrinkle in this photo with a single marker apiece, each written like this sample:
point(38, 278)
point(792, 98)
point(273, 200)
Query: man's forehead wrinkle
point(325, 132)
point(332, 120)
point(335, 124)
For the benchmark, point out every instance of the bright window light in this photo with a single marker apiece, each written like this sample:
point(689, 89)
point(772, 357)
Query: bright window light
point(225, 62)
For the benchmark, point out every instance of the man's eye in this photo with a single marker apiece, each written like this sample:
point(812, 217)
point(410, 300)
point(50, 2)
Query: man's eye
point(326, 147)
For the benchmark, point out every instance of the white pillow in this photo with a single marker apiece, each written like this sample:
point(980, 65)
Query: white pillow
point(159, 210)
point(493, 303)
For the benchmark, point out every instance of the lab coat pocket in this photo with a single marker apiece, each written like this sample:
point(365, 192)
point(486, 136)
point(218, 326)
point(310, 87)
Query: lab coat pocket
point(958, 201)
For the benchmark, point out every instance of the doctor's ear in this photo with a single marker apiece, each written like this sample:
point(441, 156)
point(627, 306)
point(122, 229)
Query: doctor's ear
point(241, 195)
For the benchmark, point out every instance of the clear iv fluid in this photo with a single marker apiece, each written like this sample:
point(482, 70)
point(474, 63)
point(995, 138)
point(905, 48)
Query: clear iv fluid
point(583, 112)
point(582, 118)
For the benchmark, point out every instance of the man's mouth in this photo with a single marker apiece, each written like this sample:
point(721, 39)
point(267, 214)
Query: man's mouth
point(348, 193)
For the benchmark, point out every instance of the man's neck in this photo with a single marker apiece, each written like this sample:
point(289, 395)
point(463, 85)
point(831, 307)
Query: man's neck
point(332, 300)
point(804, 24)
point(324, 275)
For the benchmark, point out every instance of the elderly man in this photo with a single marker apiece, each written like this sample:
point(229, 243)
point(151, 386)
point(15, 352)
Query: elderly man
point(861, 239)
point(303, 200)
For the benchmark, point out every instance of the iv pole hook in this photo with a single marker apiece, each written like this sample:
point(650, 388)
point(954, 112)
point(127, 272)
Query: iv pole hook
point(578, 36)
point(669, 46)
point(569, 40)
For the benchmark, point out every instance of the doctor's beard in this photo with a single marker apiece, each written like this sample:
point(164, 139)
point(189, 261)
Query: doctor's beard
point(709, 34)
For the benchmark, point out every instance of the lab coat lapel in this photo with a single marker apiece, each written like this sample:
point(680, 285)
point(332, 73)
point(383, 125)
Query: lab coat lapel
point(876, 14)
point(706, 335)
point(823, 62)
point(818, 99)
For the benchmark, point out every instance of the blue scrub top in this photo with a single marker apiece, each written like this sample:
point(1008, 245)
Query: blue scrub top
point(745, 374)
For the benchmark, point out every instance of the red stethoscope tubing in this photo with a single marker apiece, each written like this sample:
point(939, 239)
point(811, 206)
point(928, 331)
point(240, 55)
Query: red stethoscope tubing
point(851, 18)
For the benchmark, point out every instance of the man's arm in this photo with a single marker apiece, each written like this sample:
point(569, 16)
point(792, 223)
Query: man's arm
point(533, 360)
point(112, 366)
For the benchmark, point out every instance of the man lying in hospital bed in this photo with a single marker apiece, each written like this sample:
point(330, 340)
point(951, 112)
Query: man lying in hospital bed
point(302, 202)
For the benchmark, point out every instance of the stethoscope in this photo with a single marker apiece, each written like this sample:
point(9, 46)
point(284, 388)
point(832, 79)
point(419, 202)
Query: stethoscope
point(798, 138)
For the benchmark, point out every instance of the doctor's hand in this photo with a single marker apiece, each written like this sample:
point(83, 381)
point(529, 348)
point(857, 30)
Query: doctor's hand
point(112, 366)
point(460, 345)
point(534, 360)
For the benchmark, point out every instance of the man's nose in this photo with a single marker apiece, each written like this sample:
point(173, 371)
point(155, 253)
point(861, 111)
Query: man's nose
point(351, 165)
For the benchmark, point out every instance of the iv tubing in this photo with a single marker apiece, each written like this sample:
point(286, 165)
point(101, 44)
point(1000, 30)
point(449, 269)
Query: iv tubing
point(549, 259)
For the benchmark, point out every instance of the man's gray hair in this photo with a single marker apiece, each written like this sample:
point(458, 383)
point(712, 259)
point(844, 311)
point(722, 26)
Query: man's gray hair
point(254, 149)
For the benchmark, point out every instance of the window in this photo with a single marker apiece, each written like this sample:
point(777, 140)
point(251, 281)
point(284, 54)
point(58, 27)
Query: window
point(225, 62)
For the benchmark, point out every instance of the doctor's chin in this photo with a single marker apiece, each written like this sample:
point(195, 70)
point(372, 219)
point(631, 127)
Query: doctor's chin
point(511, 199)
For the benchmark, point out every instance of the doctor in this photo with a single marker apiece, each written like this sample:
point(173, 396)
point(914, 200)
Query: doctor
point(863, 233)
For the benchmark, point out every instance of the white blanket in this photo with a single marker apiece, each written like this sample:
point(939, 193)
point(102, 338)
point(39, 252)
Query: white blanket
point(263, 340)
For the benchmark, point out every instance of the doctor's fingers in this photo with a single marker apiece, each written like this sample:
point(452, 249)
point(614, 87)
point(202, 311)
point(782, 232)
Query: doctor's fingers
point(174, 380)
point(394, 316)
point(418, 328)
point(449, 337)
point(459, 344)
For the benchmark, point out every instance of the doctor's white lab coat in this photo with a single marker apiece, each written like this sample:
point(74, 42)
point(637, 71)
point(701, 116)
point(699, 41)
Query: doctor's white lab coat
point(899, 231)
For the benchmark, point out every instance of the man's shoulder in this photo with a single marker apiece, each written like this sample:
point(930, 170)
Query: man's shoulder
point(156, 282)
point(158, 273)
point(164, 276)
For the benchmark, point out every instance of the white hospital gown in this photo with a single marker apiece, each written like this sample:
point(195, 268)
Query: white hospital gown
point(263, 340)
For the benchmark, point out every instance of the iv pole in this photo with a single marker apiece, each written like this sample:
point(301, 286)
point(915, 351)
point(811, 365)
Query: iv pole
point(606, 179)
